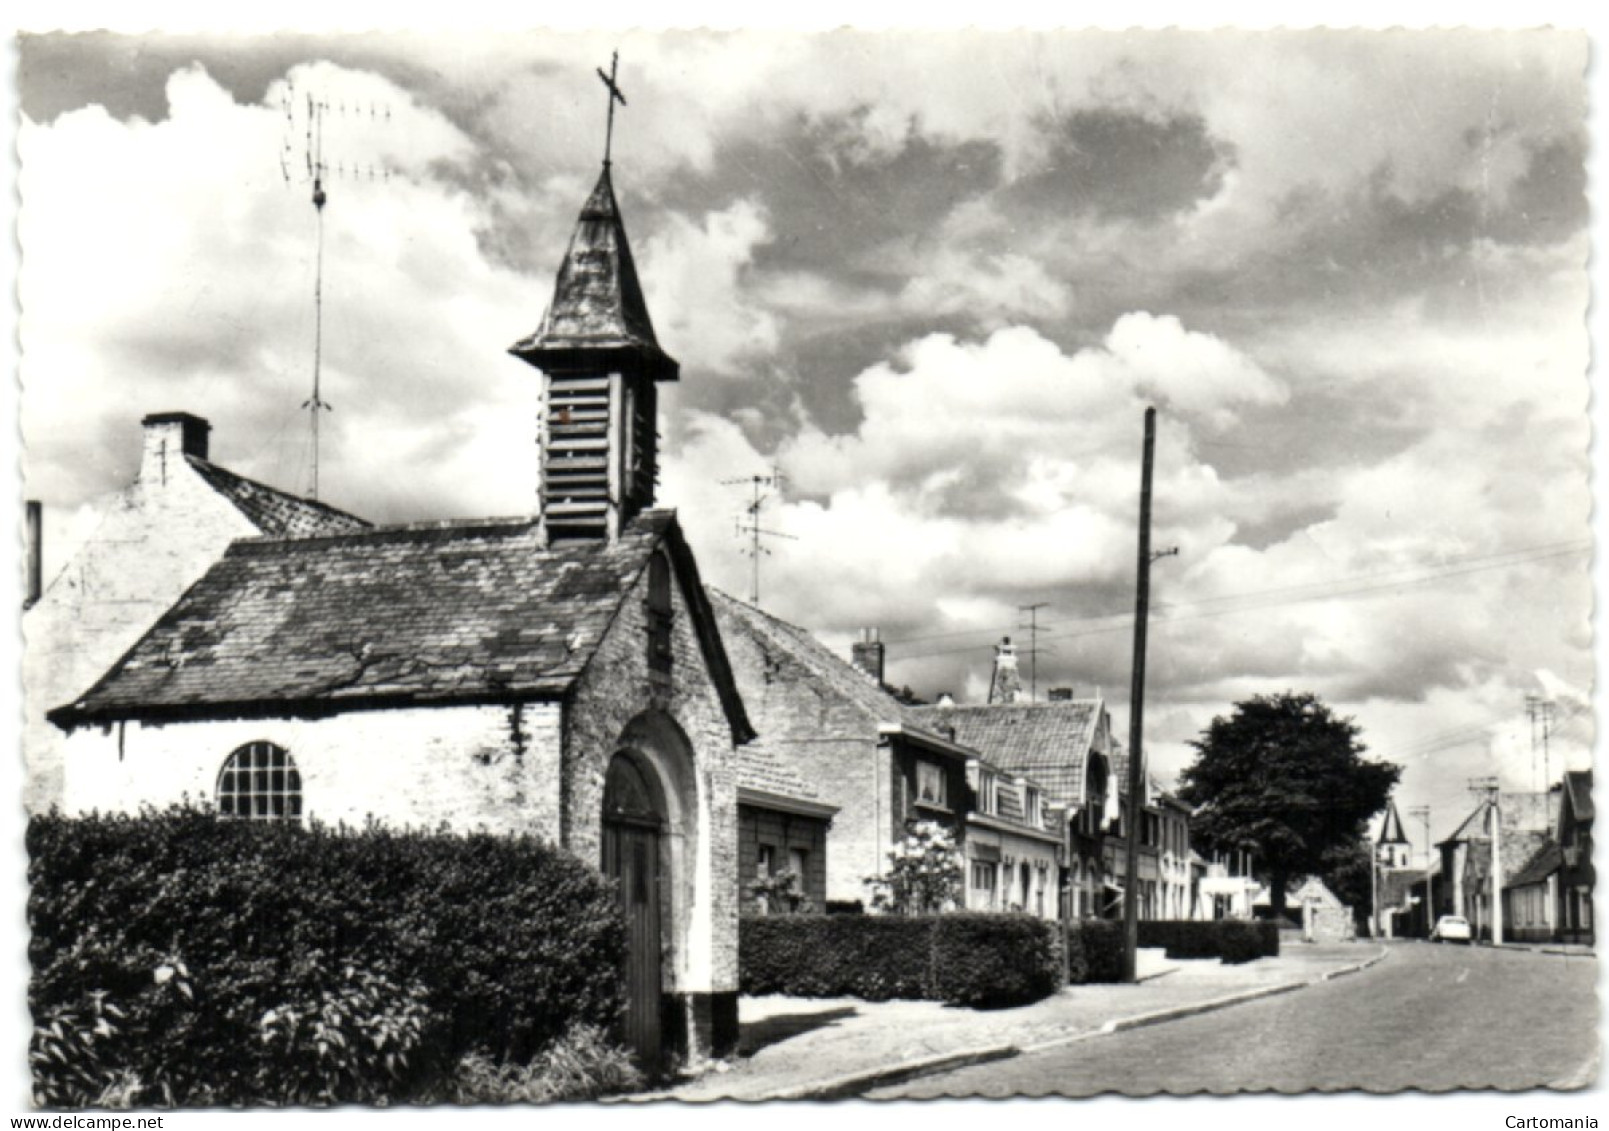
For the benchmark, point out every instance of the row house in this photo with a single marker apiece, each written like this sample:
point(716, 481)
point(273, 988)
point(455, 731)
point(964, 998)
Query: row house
point(881, 765)
point(1550, 898)
point(1227, 887)
point(1525, 823)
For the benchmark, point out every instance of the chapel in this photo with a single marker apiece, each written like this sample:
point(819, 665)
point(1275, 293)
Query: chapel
point(560, 673)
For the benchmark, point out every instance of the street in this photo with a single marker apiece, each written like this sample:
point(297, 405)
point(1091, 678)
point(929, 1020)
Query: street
point(1428, 1017)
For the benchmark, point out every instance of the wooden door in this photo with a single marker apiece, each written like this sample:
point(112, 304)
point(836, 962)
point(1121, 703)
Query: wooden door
point(631, 857)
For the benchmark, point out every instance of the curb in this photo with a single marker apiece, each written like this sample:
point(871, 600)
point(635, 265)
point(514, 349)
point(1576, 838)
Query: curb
point(856, 1084)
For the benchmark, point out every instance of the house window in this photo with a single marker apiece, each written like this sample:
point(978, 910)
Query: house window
point(260, 782)
point(767, 864)
point(930, 784)
point(659, 616)
point(983, 883)
point(988, 793)
point(1030, 806)
point(798, 861)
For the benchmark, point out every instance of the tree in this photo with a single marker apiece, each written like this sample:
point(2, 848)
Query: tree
point(1284, 778)
point(1345, 872)
point(924, 872)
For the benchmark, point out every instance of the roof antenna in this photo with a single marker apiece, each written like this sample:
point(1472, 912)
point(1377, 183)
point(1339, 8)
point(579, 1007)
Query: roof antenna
point(317, 170)
point(753, 528)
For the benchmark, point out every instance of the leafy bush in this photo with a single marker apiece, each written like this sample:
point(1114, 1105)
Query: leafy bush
point(924, 872)
point(222, 962)
point(874, 957)
point(964, 959)
point(582, 1065)
point(995, 960)
point(1094, 951)
point(1233, 940)
point(845, 907)
point(781, 893)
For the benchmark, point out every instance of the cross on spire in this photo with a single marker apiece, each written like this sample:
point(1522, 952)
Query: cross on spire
point(614, 96)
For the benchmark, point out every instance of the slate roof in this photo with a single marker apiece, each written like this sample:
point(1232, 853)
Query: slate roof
point(1542, 863)
point(272, 511)
point(1045, 741)
point(1391, 827)
point(477, 611)
point(598, 316)
point(1522, 813)
point(836, 676)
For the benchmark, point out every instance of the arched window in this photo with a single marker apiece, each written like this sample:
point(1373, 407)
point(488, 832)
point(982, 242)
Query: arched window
point(259, 782)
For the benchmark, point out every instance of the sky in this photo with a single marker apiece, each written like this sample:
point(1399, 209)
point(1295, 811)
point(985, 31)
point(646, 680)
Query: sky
point(933, 279)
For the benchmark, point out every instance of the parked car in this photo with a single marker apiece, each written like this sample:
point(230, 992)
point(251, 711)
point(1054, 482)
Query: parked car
point(1451, 928)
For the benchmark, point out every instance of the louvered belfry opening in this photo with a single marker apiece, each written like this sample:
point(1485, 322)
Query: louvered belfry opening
point(596, 347)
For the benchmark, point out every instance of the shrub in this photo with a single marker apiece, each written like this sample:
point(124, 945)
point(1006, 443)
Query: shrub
point(1233, 940)
point(221, 962)
point(582, 1065)
point(845, 907)
point(995, 960)
point(874, 957)
point(1095, 951)
point(924, 872)
point(964, 959)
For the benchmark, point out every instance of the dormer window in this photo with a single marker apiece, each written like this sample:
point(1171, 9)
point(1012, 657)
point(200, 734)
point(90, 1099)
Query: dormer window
point(930, 789)
point(1030, 806)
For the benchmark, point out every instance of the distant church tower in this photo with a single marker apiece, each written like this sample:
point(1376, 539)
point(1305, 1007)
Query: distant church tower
point(1392, 849)
point(596, 348)
point(1005, 686)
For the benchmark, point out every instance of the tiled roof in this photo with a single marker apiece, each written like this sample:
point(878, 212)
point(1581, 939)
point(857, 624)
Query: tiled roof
point(272, 511)
point(836, 676)
point(451, 612)
point(1542, 863)
point(762, 768)
point(598, 308)
point(1046, 741)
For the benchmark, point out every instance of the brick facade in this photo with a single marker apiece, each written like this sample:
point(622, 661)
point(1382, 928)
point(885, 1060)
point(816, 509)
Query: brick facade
point(786, 835)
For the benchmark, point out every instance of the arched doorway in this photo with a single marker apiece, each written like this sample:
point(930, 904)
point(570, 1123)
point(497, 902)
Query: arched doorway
point(634, 821)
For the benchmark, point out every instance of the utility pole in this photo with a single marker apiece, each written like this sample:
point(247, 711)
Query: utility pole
point(1131, 816)
point(1033, 646)
point(1494, 813)
point(1374, 889)
point(1423, 813)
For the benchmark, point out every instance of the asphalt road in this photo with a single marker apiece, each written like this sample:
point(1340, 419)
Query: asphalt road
point(1429, 1017)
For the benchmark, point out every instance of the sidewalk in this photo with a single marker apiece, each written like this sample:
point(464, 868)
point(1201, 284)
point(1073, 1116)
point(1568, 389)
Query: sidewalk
point(824, 1048)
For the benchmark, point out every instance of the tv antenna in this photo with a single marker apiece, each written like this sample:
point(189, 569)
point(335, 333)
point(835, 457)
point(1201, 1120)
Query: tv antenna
point(1032, 626)
point(752, 528)
point(317, 170)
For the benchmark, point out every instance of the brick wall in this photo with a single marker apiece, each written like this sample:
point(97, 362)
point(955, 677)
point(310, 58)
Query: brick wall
point(493, 768)
point(612, 693)
point(834, 745)
point(157, 537)
point(782, 832)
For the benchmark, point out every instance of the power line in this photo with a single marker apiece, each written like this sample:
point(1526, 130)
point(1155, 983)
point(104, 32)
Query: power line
point(1563, 546)
point(1335, 594)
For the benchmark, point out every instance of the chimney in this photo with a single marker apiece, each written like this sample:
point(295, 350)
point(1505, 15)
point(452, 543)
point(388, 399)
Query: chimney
point(169, 437)
point(1061, 695)
point(33, 535)
point(1006, 686)
point(867, 654)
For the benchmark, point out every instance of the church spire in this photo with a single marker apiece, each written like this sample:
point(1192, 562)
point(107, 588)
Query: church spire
point(600, 360)
point(1391, 847)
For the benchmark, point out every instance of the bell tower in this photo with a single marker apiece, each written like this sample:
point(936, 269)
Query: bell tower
point(601, 365)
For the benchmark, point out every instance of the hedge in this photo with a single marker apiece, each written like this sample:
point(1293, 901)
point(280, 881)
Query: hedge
point(1233, 940)
point(1094, 951)
point(964, 958)
point(183, 959)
